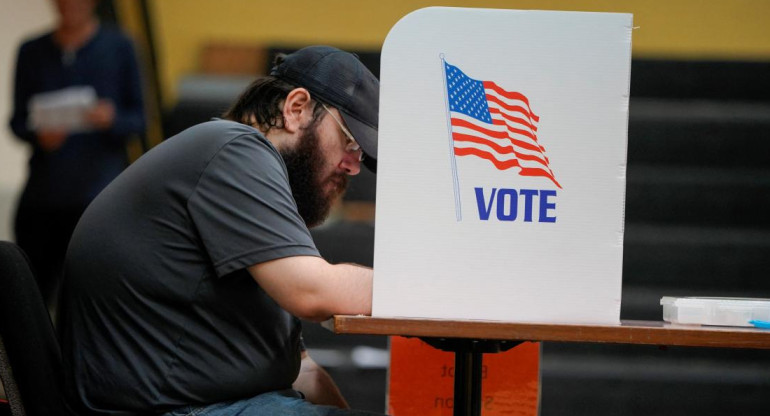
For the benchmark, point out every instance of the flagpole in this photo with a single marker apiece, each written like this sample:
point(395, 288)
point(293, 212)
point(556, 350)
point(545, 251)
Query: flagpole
point(453, 157)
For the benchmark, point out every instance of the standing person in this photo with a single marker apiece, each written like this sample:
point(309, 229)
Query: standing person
point(185, 278)
point(68, 169)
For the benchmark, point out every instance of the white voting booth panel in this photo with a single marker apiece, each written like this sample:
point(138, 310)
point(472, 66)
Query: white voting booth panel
point(502, 165)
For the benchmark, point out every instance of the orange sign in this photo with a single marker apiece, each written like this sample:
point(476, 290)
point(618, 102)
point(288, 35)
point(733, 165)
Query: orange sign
point(422, 380)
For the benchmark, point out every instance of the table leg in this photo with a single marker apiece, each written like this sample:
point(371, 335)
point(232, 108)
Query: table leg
point(467, 394)
point(468, 359)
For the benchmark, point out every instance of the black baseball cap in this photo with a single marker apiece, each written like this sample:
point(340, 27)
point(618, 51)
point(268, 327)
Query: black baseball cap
point(338, 78)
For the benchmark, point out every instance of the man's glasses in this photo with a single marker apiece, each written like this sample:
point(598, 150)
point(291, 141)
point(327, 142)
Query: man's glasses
point(352, 145)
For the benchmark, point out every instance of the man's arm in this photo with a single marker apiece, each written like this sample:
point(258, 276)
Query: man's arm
point(317, 385)
point(310, 288)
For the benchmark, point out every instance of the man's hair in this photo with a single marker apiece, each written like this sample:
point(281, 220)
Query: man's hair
point(262, 102)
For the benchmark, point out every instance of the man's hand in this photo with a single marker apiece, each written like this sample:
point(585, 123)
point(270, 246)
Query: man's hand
point(317, 385)
point(102, 115)
point(50, 140)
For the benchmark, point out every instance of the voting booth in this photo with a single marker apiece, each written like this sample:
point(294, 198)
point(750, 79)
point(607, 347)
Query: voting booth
point(502, 165)
point(501, 182)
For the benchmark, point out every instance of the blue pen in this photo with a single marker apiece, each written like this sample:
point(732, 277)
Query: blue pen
point(760, 324)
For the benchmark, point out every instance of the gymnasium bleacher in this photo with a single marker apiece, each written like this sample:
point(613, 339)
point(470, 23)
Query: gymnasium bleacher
point(698, 194)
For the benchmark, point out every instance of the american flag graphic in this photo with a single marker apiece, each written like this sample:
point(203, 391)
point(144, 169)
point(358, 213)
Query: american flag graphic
point(492, 123)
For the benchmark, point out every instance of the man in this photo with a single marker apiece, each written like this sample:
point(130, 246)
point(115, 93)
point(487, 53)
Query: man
point(184, 279)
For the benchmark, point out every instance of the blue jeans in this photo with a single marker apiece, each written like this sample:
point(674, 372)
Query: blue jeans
point(284, 403)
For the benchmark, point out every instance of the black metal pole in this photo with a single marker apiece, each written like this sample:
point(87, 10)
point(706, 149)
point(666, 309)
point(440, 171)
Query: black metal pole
point(467, 394)
point(477, 357)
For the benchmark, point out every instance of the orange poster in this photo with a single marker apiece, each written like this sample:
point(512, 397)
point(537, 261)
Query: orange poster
point(422, 380)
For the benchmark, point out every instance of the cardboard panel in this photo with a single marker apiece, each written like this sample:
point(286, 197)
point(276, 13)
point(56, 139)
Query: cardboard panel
point(502, 166)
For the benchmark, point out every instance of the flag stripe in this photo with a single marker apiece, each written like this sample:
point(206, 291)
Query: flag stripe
point(459, 137)
point(498, 130)
point(458, 122)
point(516, 131)
point(511, 95)
point(472, 151)
point(496, 134)
point(500, 142)
point(512, 108)
point(504, 164)
point(503, 150)
point(515, 135)
point(508, 117)
point(539, 172)
point(463, 137)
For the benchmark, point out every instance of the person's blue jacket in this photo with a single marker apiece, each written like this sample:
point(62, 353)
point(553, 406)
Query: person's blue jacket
point(74, 174)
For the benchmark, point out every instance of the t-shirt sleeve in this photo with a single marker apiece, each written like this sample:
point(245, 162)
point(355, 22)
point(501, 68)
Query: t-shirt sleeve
point(243, 209)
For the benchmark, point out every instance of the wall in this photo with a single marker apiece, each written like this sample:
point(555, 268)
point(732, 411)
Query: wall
point(692, 29)
point(19, 20)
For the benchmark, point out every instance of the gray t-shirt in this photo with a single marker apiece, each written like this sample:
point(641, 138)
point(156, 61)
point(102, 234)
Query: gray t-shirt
point(159, 310)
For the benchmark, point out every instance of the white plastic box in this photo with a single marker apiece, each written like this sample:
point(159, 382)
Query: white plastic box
point(715, 311)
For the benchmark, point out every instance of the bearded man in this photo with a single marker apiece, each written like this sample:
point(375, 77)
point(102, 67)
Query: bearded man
point(186, 276)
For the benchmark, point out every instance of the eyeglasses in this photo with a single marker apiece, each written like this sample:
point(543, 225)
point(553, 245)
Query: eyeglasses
point(352, 145)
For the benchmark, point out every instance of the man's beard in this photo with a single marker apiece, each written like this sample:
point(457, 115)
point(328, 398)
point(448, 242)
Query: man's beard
point(305, 164)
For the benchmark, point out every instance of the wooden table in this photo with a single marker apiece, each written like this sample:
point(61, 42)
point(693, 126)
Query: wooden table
point(470, 339)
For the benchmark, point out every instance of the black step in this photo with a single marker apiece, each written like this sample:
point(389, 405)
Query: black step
point(724, 80)
point(699, 133)
point(698, 196)
point(595, 379)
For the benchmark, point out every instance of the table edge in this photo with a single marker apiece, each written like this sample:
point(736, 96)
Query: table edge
point(626, 332)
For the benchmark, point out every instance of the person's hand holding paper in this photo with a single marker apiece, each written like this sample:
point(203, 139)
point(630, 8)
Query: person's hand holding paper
point(101, 116)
